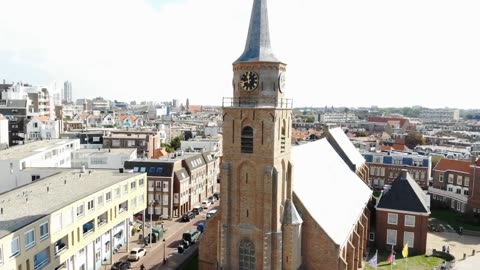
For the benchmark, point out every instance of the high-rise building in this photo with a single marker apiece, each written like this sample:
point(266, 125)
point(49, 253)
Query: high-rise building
point(67, 92)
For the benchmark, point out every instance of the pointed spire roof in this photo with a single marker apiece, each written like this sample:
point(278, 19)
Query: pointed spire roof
point(291, 215)
point(258, 47)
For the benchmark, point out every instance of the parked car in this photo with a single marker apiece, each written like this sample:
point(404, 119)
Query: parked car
point(121, 265)
point(191, 237)
point(211, 199)
point(216, 195)
point(206, 204)
point(188, 216)
point(211, 213)
point(197, 210)
point(136, 253)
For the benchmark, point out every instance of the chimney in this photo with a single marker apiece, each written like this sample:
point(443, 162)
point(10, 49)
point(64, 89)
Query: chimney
point(120, 170)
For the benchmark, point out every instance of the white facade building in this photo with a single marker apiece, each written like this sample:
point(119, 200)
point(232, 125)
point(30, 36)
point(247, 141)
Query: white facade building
point(41, 127)
point(42, 228)
point(103, 158)
point(439, 115)
point(3, 132)
point(337, 117)
point(44, 153)
point(213, 145)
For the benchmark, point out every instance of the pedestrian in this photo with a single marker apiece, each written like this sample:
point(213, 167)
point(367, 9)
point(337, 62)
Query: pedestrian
point(448, 249)
point(142, 267)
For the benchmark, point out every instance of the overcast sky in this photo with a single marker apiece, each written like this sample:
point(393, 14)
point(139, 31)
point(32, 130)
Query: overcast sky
point(340, 53)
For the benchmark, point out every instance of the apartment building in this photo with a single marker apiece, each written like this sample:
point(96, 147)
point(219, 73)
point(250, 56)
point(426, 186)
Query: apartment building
point(15, 110)
point(42, 228)
point(451, 183)
point(337, 117)
point(44, 153)
point(146, 141)
point(4, 138)
point(439, 115)
point(102, 158)
point(385, 167)
point(160, 176)
point(42, 127)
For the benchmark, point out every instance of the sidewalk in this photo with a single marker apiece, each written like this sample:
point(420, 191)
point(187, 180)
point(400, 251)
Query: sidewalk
point(172, 227)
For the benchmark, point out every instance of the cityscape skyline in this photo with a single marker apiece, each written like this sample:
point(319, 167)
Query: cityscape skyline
point(349, 54)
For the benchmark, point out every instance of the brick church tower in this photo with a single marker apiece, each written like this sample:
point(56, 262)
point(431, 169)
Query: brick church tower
point(259, 227)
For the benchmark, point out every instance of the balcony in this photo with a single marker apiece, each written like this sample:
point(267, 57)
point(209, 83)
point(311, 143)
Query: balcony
point(257, 102)
point(61, 245)
point(102, 219)
point(448, 194)
point(88, 227)
point(123, 207)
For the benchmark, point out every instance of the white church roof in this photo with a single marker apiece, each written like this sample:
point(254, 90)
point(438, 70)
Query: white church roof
point(333, 195)
point(344, 142)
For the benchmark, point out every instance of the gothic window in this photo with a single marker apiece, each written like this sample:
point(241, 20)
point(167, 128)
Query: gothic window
point(247, 255)
point(247, 140)
point(282, 140)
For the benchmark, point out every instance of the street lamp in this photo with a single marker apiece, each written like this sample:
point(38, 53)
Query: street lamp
point(151, 221)
point(164, 251)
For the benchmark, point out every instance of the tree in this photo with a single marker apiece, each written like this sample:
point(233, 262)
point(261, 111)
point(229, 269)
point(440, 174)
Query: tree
point(413, 139)
point(176, 142)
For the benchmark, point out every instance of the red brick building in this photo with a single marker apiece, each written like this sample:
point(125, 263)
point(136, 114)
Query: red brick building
point(402, 216)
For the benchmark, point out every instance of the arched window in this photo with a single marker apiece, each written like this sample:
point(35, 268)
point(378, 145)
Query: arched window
point(247, 255)
point(247, 140)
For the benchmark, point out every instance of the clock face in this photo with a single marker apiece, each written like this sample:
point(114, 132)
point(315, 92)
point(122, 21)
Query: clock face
point(249, 81)
point(281, 82)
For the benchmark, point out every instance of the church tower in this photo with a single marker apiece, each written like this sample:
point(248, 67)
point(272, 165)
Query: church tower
point(259, 227)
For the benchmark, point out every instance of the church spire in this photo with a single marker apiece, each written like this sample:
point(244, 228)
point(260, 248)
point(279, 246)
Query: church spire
point(258, 47)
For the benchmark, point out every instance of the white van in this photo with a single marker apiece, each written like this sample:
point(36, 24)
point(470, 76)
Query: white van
point(211, 213)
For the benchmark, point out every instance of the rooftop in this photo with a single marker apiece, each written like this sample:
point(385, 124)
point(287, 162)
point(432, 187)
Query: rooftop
point(107, 151)
point(453, 165)
point(29, 149)
point(318, 171)
point(29, 203)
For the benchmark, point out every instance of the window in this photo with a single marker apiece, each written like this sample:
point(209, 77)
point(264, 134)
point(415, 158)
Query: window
point(100, 200)
point(143, 169)
point(125, 188)
point(35, 177)
point(371, 236)
point(80, 210)
point(141, 182)
point(465, 192)
point(247, 140)
point(134, 203)
point(69, 216)
point(29, 239)
point(15, 247)
point(99, 160)
point(450, 178)
point(142, 199)
point(115, 143)
point(409, 221)
point(392, 218)
point(56, 223)
point(391, 237)
point(459, 180)
point(160, 170)
point(459, 206)
point(133, 185)
point(408, 237)
point(466, 181)
point(130, 143)
point(117, 192)
point(151, 170)
point(108, 196)
point(247, 255)
point(41, 259)
point(136, 169)
point(44, 231)
point(90, 205)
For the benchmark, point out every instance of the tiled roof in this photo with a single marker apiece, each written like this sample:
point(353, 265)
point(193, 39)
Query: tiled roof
point(405, 195)
point(387, 119)
point(42, 118)
point(399, 147)
point(453, 165)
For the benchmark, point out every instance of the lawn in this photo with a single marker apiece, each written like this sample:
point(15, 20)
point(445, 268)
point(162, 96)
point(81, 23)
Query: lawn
point(414, 263)
point(454, 219)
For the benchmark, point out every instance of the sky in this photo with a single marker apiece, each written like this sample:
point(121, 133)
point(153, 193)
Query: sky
point(338, 53)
